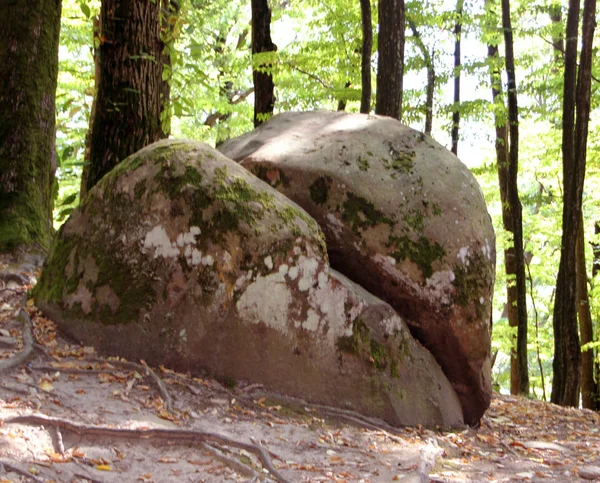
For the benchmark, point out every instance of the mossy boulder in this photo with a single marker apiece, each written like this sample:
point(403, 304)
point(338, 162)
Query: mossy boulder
point(403, 217)
point(179, 256)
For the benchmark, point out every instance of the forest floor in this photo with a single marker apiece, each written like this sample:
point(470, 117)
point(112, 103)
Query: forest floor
point(70, 415)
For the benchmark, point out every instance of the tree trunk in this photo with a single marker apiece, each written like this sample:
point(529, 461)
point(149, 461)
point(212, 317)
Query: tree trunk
point(515, 203)
point(507, 221)
point(390, 62)
point(457, 67)
point(430, 77)
point(264, 88)
point(367, 48)
point(29, 59)
point(576, 108)
point(586, 328)
point(132, 93)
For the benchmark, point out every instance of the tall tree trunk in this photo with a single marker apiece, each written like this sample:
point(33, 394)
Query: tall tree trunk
point(576, 109)
point(595, 271)
point(264, 88)
point(428, 58)
point(515, 203)
point(390, 61)
point(457, 68)
point(28, 77)
point(367, 48)
point(132, 94)
point(586, 329)
point(502, 161)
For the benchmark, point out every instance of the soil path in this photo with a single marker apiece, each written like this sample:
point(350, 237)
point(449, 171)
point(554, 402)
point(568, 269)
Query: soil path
point(69, 415)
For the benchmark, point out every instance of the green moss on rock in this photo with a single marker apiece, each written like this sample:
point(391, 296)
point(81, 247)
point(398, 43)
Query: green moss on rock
point(362, 344)
point(422, 252)
point(55, 283)
point(319, 190)
point(360, 213)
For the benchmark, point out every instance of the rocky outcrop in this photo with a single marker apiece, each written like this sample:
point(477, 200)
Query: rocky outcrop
point(179, 256)
point(403, 217)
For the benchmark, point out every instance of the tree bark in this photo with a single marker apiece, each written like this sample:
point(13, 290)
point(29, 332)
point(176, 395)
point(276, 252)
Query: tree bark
point(264, 88)
point(428, 58)
point(390, 62)
point(367, 48)
point(29, 59)
point(132, 91)
point(576, 109)
point(514, 202)
point(586, 326)
point(502, 161)
point(457, 67)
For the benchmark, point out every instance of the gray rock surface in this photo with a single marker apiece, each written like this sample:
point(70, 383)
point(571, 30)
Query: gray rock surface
point(181, 257)
point(403, 217)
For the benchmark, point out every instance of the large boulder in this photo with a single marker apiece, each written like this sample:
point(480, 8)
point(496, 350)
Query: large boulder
point(181, 257)
point(403, 217)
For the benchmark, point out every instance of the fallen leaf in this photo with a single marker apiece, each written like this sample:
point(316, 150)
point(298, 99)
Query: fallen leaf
point(103, 467)
point(46, 386)
point(166, 459)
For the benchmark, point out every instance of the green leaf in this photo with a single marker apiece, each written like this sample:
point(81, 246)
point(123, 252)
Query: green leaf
point(85, 9)
point(69, 199)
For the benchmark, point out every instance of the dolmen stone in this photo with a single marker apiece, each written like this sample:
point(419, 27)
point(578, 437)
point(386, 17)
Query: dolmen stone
point(403, 217)
point(180, 256)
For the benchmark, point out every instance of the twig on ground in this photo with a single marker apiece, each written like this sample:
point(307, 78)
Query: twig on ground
point(154, 433)
point(232, 462)
point(510, 449)
point(86, 477)
point(25, 320)
point(162, 388)
point(15, 469)
point(59, 441)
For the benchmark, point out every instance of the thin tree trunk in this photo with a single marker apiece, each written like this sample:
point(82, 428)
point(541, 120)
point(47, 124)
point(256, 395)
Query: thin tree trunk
point(595, 270)
point(586, 329)
point(132, 94)
point(515, 203)
point(264, 88)
point(576, 95)
point(28, 76)
point(342, 102)
point(390, 64)
point(367, 48)
point(457, 68)
point(428, 58)
point(502, 161)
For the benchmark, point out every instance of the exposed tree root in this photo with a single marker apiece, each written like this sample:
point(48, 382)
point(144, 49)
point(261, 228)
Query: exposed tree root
point(231, 462)
point(154, 433)
point(15, 469)
point(341, 414)
point(22, 356)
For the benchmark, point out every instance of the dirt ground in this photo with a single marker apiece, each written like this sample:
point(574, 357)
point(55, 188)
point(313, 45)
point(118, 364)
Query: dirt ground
point(70, 415)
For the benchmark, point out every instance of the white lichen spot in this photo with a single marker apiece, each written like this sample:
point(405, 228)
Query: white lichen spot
point(183, 335)
point(481, 300)
point(323, 279)
point(283, 269)
point(391, 260)
point(158, 239)
point(196, 257)
point(308, 270)
point(208, 261)
point(293, 273)
point(463, 253)
point(297, 251)
point(335, 224)
point(312, 321)
point(439, 285)
point(195, 230)
point(392, 325)
point(269, 262)
point(273, 310)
